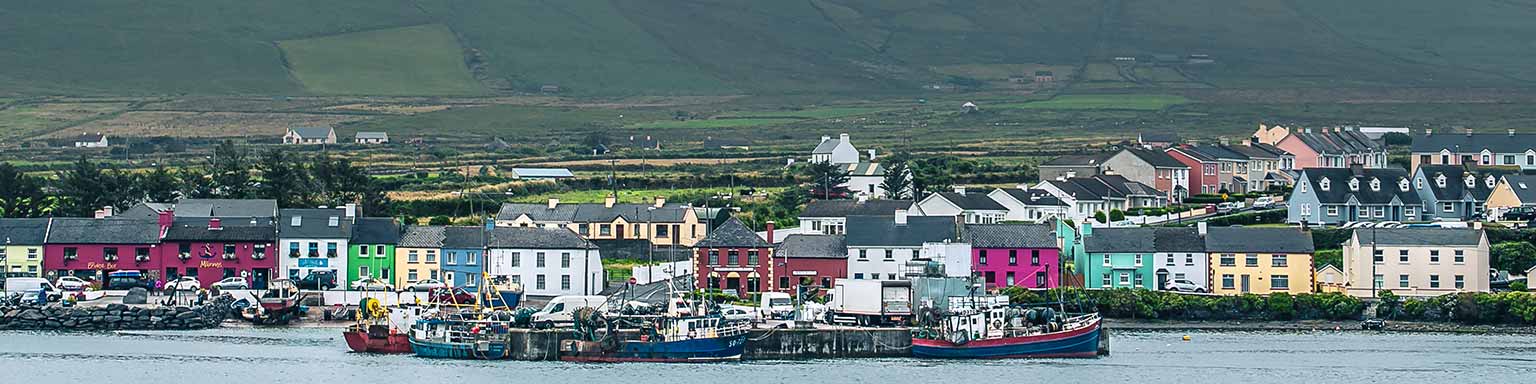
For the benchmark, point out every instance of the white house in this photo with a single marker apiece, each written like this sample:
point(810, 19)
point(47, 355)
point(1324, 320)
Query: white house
point(865, 179)
point(1032, 205)
point(372, 138)
point(879, 247)
point(310, 135)
point(314, 240)
point(87, 140)
point(545, 261)
point(830, 217)
point(1416, 261)
point(1180, 255)
point(975, 208)
point(840, 151)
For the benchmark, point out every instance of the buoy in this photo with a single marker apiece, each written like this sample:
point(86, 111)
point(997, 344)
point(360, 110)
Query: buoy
point(1186, 337)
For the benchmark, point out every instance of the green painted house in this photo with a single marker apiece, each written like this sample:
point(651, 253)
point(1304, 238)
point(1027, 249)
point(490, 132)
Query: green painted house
point(1117, 257)
point(371, 252)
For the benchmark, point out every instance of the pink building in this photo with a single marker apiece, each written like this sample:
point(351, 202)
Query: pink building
point(213, 249)
point(90, 248)
point(1203, 177)
point(1017, 255)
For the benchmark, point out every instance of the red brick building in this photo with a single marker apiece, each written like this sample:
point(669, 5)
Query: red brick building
point(733, 259)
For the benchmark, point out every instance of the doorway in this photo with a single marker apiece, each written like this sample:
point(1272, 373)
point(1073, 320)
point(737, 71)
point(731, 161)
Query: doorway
point(259, 277)
point(1245, 284)
point(1162, 279)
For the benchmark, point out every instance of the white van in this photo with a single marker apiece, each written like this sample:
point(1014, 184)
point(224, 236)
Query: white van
point(775, 305)
point(560, 310)
point(29, 286)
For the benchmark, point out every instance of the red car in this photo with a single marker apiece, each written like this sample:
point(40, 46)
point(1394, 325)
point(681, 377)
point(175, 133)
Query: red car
point(451, 295)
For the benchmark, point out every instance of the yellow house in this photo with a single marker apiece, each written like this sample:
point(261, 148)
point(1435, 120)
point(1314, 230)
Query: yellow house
point(1259, 260)
point(21, 247)
point(416, 257)
point(659, 223)
point(1512, 191)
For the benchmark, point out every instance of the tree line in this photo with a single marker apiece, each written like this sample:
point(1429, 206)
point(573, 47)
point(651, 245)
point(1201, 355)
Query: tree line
point(232, 172)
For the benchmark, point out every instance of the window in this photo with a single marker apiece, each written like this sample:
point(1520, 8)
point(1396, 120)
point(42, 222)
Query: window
point(1228, 260)
point(1252, 260)
point(71, 253)
point(1138, 279)
point(981, 257)
point(451, 258)
point(538, 260)
point(565, 259)
point(1509, 159)
point(1106, 259)
point(565, 282)
point(1447, 207)
point(1485, 159)
point(1125, 278)
point(751, 257)
point(1434, 281)
point(733, 257)
point(858, 276)
point(1461, 282)
point(1277, 260)
point(109, 253)
point(410, 275)
point(1106, 280)
point(1170, 262)
point(517, 279)
point(1434, 255)
point(1402, 281)
point(1010, 279)
point(890, 276)
point(293, 249)
point(1034, 257)
point(517, 259)
point(583, 229)
point(471, 258)
point(1228, 282)
point(363, 251)
point(330, 249)
point(432, 273)
point(1333, 210)
point(863, 254)
point(1013, 258)
point(229, 249)
point(1376, 255)
point(362, 271)
point(603, 230)
point(538, 282)
point(1280, 282)
point(378, 250)
point(661, 231)
point(1460, 257)
point(432, 257)
point(714, 257)
point(889, 255)
point(1379, 281)
point(1324, 184)
point(1138, 260)
point(1040, 279)
point(1402, 255)
point(784, 281)
point(185, 249)
point(1189, 259)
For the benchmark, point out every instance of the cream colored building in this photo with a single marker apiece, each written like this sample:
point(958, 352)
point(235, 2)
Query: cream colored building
point(416, 256)
point(1416, 261)
point(661, 224)
point(1512, 191)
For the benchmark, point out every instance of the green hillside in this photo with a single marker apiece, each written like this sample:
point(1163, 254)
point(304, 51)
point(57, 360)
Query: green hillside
point(677, 47)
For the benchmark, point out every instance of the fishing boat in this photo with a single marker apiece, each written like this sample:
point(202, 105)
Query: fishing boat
point(461, 338)
point(662, 339)
point(378, 328)
point(279, 304)
point(1004, 333)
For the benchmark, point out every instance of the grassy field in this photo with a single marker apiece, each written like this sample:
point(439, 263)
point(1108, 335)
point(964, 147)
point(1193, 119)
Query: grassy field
point(1101, 102)
point(27, 121)
point(710, 123)
point(419, 60)
point(639, 196)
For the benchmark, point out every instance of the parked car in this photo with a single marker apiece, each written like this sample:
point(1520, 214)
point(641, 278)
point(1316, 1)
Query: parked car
point(738, 313)
point(1181, 285)
point(1263, 202)
point(1519, 214)
point(424, 285)
point(451, 295)
point(71, 283)
point(184, 283)
point(1503, 285)
point(28, 289)
point(233, 283)
point(371, 284)
point(125, 280)
point(317, 280)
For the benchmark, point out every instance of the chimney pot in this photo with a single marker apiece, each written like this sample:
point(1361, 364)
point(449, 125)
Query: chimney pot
point(351, 209)
point(901, 217)
point(214, 224)
point(770, 232)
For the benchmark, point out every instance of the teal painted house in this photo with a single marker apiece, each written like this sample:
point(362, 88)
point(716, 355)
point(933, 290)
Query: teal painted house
point(1118, 257)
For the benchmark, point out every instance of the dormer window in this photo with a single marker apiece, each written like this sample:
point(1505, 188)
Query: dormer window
point(1470, 181)
point(1402, 184)
point(1489, 181)
point(1375, 184)
point(1354, 184)
point(1440, 180)
point(1324, 184)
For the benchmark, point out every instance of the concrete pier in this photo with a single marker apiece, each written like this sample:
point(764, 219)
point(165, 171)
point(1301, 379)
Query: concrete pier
point(777, 344)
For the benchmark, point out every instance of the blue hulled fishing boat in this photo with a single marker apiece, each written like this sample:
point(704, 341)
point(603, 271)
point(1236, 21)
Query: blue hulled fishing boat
point(461, 339)
point(662, 340)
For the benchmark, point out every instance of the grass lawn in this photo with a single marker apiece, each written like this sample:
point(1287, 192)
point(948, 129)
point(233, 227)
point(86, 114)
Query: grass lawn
point(808, 113)
point(708, 123)
point(419, 60)
point(1109, 102)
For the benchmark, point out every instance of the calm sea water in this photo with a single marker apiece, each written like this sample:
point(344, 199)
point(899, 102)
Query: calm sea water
point(311, 355)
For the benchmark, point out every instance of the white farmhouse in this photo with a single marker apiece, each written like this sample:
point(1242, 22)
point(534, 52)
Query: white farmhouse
point(545, 261)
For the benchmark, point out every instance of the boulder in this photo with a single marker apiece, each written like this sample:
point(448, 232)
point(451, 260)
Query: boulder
point(116, 307)
point(185, 315)
point(137, 295)
point(32, 314)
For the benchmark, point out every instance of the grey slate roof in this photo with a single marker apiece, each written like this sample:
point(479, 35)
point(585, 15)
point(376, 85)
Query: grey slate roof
point(537, 212)
point(845, 208)
point(882, 231)
point(74, 230)
point(1119, 240)
point(1010, 235)
point(593, 212)
point(1035, 197)
point(732, 234)
point(864, 169)
point(1103, 187)
point(376, 230)
point(1179, 239)
point(1266, 240)
point(419, 236)
point(1421, 236)
point(312, 132)
point(314, 223)
point(89, 138)
point(813, 246)
point(1253, 152)
point(1189, 150)
point(225, 208)
point(146, 211)
point(1524, 187)
point(23, 231)
point(1159, 137)
point(1461, 143)
point(972, 201)
point(373, 135)
point(1455, 181)
point(826, 146)
point(1217, 152)
point(464, 237)
point(537, 238)
point(639, 249)
point(1078, 160)
point(1158, 159)
point(1339, 193)
point(239, 229)
point(1336, 143)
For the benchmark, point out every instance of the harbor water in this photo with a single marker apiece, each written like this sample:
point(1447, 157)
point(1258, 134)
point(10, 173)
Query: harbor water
point(318, 355)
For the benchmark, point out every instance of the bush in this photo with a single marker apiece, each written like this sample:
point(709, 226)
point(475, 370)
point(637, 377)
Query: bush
point(1518, 286)
point(1146, 304)
point(1099, 217)
point(1116, 215)
point(1472, 308)
point(440, 220)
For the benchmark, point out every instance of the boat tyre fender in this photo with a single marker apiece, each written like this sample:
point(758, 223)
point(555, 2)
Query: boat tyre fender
point(997, 324)
point(960, 338)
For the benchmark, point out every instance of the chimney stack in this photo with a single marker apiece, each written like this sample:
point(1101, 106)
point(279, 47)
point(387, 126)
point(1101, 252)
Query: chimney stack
point(351, 209)
point(104, 212)
point(1429, 131)
point(610, 200)
point(1469, 132)
point(554, 203)
point(165, 219)
point(770, 231)
point(661, 201)
point(872, 152)
point(1511, 132)
point(843, 137)
point(901, 217)
point(825, 138)
point(1201, 227)
point(960, 190)
point(215, 225)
